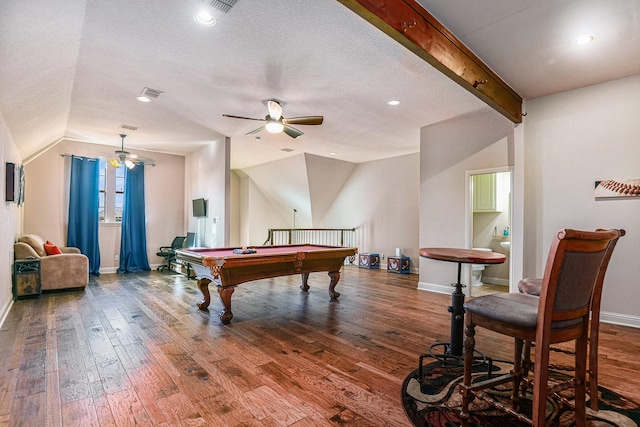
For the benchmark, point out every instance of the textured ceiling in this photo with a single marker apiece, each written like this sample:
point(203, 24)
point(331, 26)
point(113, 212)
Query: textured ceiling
point(72, 69)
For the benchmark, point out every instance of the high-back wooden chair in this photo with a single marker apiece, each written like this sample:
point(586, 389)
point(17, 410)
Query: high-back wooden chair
point(534, 287)
point(560, 314)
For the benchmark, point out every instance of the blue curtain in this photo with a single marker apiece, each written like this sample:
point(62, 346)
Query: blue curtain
point(133, 243)
point(82, 231)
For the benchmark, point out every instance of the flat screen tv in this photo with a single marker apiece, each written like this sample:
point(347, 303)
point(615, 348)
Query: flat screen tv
point(199, 208)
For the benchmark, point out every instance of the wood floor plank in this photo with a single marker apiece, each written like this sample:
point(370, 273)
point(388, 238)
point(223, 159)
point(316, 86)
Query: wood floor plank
point(53, 408)
point(146, 389)
point(8, 382)
point(80, 413)
point(73, 379)
point(179, 410)
point(29, 410)
point(127, 409)
point(265, 403)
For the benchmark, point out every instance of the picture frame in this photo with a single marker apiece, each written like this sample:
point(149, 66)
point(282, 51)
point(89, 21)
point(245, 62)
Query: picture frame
point(10, 182)
point(617, 189)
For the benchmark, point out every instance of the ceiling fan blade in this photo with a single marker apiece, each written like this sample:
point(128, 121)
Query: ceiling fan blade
point(245, 118)
point(255, 130)
point(305, 120)
point(275, 109)
point(292, 132)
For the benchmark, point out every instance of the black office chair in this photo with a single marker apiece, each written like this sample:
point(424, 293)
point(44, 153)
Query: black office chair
point(191, 240)
point(169, 252)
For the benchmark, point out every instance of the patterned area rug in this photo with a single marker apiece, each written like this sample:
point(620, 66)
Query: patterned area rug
point(435, 401)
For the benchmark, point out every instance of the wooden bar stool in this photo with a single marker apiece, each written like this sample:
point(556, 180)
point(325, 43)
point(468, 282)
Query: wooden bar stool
point(560, 314)
point(533, 286)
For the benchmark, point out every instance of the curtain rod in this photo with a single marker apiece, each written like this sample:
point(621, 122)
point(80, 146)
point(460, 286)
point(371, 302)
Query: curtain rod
point(106, 159)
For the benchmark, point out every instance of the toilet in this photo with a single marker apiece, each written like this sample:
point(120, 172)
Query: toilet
point(477, 269)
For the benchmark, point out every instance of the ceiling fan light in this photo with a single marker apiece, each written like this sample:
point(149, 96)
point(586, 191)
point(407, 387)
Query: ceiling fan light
point(274, 127)
point(129, 164)
point(115, 163)
point(205, 18)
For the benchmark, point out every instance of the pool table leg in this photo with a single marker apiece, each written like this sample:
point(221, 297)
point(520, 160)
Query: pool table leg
point(225, 297)
point(203, 285)
point(335, 277)
point(305, 278)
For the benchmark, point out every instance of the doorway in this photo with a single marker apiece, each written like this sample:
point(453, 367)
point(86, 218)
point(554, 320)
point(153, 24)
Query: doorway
point(489, 220)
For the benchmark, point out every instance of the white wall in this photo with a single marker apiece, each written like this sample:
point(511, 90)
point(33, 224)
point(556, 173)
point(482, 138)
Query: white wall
point(208, 176)
point(573, 139)
point(447, 151)
point(380, 198)
point(46, 198)
point(285, 184)
point(10, 219)
point(259, 214)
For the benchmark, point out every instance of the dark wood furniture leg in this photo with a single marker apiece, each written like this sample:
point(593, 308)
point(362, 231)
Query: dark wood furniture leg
point(203, 285)
point(225, 297)
point(335, 278)
point(305, 278)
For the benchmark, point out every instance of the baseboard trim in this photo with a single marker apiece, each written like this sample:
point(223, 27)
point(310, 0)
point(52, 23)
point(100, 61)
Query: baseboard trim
point(5, 311)
point(434, 287)
point(111, 270)
point(620, 319)
point(495, 280)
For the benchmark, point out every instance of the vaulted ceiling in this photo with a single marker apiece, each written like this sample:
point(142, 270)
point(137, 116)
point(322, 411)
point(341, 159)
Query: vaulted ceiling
point(72, 69)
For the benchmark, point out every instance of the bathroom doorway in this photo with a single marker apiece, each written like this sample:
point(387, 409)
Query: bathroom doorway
point(489, 225)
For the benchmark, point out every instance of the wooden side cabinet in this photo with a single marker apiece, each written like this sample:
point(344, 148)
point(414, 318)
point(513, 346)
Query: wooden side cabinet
point(26, 278)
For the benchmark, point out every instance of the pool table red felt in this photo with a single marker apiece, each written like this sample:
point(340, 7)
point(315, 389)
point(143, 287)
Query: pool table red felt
point(228, 269)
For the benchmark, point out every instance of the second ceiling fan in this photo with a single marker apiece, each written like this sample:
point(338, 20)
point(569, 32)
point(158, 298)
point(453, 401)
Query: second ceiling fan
point(276, 123)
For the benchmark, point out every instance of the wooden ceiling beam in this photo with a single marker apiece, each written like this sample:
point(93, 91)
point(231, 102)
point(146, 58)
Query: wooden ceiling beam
point(412, 26)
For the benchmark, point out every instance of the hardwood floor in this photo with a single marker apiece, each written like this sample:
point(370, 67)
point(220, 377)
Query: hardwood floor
point(134, 350)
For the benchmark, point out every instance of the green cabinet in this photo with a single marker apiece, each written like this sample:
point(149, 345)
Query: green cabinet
point(484, 193)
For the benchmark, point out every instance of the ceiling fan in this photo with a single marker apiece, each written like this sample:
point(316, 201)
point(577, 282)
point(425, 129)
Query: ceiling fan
point(126, 158)
point(276, 123)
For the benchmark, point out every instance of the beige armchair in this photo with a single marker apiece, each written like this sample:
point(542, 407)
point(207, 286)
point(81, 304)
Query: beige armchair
point(70, 269)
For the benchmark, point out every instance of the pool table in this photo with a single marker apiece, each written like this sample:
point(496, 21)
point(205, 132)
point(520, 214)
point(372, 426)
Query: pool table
point(227, 269)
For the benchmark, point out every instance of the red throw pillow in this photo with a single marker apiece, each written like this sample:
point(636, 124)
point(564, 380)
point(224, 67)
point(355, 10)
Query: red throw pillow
point(51, 249)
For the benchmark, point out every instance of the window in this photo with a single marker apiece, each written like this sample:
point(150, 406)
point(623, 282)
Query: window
point(111, 193)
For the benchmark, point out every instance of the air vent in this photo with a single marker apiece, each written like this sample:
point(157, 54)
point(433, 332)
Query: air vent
point(151, 93)
point(223, 5)
point(128, 127)
point(288, 150)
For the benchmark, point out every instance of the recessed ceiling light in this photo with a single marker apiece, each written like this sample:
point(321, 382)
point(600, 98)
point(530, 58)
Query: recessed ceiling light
point(205, 18)
point(333, 154)
point(143, 98)
point(585, 39)
point(393, 102)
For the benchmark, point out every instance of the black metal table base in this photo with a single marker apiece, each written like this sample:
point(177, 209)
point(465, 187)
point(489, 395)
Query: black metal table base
point(449, 359)
point(452, 353)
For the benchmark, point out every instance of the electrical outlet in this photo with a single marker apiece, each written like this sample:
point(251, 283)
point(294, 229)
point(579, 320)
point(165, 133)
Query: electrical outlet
point(117, 257)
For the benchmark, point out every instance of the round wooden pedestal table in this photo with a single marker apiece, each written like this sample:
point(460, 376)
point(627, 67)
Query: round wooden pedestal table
point(452, 351)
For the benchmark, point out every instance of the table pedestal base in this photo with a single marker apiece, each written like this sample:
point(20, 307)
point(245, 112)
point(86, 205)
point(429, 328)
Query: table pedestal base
point(451, 352)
